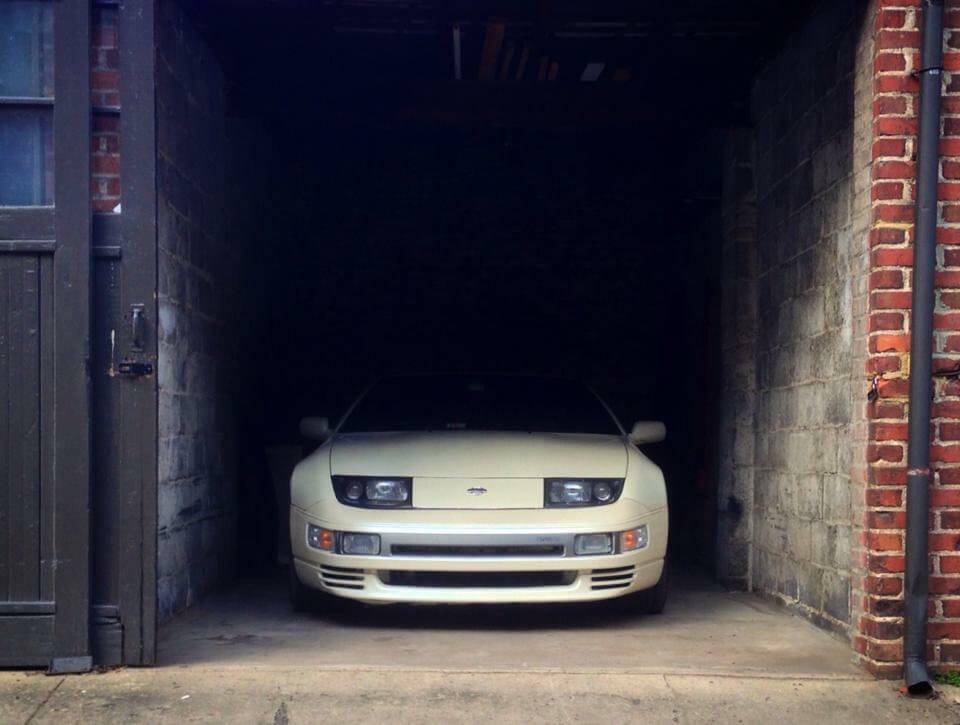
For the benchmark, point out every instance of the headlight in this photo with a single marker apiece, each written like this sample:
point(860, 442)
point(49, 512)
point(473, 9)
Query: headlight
point(602, 492)
point(388, 491)
point(374, 491)
point(581, 491)
point(354, 490)
point(569, 492)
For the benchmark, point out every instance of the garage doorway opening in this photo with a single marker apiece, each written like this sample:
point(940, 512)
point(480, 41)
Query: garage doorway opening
point(358, 190)
point(489, 249)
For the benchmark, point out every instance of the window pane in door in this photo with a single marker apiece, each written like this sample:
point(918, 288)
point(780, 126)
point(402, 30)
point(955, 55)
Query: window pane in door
point(26, 148)
point(26, 48)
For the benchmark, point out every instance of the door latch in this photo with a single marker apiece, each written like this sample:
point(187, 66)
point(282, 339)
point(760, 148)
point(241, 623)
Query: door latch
point(135, 369)
point(128, 367)
point(138, 323)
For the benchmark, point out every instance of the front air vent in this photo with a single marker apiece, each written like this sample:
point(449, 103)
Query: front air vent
point(475, 551)
point(478, 579)
point(618, 578)
point(340, 578)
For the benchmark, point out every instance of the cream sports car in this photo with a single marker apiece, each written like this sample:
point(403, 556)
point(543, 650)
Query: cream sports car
point(478, 488)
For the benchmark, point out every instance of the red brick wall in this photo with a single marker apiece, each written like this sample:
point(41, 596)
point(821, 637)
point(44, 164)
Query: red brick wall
point(105, 96)
point(880, 624)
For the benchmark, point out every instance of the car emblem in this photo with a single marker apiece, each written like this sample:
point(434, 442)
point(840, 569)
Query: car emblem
point(476, 491)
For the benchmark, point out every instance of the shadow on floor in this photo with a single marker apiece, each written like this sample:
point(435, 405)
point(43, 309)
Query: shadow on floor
point(704, 629)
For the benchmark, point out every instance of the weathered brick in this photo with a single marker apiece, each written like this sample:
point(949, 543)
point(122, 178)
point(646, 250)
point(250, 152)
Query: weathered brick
point(950, 520)
point(886, 321)
point(887, 235)
point(949, 585)
point(884, 497)
point(889, 476)
point(882, 629)
point(879, 541)
point(892, 300)
point(883, 585)
point(944, 542)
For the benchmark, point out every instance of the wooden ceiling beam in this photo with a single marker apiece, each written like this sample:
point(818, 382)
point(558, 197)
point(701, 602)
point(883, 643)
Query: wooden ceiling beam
point(492, 42)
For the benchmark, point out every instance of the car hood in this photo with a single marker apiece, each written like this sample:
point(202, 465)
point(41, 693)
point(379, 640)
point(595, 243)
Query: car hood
point(478, 454)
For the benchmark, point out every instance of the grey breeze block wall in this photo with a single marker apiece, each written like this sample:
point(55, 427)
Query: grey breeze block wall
point(197, 499)
point(795, 265)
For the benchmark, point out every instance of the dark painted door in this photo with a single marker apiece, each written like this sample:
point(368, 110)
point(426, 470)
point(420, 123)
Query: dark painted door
point(124, 338)
point(44, 334)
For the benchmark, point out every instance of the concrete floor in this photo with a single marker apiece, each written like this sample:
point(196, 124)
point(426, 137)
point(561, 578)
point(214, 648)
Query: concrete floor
point(714, 657)
point(704, 629)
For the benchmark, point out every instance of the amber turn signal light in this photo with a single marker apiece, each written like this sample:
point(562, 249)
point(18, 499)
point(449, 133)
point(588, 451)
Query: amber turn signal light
point(320, 538)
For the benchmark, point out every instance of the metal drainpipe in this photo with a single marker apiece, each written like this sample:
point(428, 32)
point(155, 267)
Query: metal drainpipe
point(916, 579)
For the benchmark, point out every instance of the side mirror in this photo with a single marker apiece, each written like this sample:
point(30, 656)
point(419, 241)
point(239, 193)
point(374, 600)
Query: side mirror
point(647, 431)
point(315, 429)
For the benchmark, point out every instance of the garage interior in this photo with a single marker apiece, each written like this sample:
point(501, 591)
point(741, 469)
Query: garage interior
point(617, 192)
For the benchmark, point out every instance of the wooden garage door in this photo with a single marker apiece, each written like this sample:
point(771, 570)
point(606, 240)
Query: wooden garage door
point(44, 334)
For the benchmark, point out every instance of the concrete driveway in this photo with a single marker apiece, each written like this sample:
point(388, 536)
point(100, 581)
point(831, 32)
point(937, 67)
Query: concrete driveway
point(715, 656)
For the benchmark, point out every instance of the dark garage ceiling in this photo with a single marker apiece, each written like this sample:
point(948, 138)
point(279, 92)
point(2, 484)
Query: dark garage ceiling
point(683, 61)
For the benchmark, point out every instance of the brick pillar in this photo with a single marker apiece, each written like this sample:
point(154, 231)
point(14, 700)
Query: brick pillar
point(105, 95)
point(880, 625)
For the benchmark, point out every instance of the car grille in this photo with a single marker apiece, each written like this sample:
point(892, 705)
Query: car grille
point(617, 578)
point(469, 580)
point(474, 551)
point(340, 578)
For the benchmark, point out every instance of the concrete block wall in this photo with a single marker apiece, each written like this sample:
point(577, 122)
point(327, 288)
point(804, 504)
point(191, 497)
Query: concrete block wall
point(794, 321)
point(197, 273)
point(738, 393)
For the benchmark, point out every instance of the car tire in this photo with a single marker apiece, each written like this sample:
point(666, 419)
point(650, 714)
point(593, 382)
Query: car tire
point(307, 599)
point(302, 597)
point(654, 599)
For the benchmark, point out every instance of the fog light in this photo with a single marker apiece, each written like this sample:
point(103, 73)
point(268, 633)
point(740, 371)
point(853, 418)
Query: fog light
point(592, 544)
point(634, 539)
point(360, 544)
point(320, 538)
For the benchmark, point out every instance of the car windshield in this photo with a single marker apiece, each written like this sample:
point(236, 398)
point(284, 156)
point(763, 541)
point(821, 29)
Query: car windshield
point(486, 402)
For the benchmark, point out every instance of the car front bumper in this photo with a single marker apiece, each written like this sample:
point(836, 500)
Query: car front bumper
point(517, 563)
